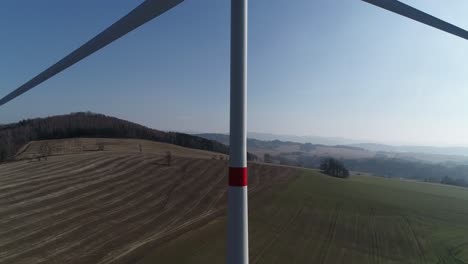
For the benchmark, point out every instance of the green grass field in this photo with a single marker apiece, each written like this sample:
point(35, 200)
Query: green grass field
point(320, 219)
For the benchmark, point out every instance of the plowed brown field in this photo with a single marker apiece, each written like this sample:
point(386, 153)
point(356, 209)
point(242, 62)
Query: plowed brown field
point(112, 206)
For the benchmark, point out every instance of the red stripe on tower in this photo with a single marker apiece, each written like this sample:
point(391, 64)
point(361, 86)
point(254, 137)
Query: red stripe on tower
point(237, 176)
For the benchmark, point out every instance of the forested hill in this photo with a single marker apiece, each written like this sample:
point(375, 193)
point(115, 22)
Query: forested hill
point(86, 124)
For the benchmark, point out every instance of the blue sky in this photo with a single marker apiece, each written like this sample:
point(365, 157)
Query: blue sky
point(323, 67)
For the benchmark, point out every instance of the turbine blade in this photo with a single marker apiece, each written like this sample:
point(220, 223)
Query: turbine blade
point(415, 14)
point(143, 13)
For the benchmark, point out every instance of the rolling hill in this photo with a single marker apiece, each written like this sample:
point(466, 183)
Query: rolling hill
point(87, 204)
point(277, 147)
point(85, 124)
point(117, 201)
point(353, 151)
point(445, 151)
point(320, 219)
point(447, 169)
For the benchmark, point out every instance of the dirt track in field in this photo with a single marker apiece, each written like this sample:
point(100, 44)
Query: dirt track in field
point(110, 206)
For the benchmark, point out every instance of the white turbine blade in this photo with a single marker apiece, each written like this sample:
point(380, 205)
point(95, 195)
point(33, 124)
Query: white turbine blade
point(143, 13)
point(415, 14)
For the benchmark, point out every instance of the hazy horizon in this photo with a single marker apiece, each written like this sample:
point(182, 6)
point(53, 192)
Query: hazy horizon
point(355, 140)
point(326, 68)
point(306, 138)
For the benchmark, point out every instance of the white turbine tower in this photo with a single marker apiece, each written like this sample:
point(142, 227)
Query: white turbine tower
point(237, 244)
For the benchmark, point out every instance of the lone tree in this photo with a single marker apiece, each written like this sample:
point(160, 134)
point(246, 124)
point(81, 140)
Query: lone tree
point(100, 146)
point(333, 167)
point(168, 158)
point(44, 151)
point(267, 158)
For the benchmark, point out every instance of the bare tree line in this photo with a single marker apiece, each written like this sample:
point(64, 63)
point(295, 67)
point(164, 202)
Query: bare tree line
point(87, 124)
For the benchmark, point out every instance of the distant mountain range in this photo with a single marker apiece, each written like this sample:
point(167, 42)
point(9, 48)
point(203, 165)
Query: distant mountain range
point(304, 139)
point(456, 151)
point(376, 147)
point(412, 162)
point(260, 143)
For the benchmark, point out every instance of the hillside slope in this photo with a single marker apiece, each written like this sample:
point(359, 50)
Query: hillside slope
point(69, 146)
point(452, 170)
point(14, 136)
point(321, 219)
point(277, 147)
point(112, 206)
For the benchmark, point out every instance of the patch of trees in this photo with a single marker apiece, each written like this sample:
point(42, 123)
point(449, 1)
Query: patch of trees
point(280, 159)
point(445, 173)
point(293, 159)
point(457, 182)
point(398, 168)
point(350, 147)
point(251, 157)
point(333, 167)
point(308, 147)
point(87, 124)
point(268, 158)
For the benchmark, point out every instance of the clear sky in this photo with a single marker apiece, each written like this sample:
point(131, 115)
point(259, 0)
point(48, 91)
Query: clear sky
point(316, 67)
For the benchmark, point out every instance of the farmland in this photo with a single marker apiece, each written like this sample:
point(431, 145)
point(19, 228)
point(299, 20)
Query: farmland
point(319, 219)
point(110, 206)
point(117, 201)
